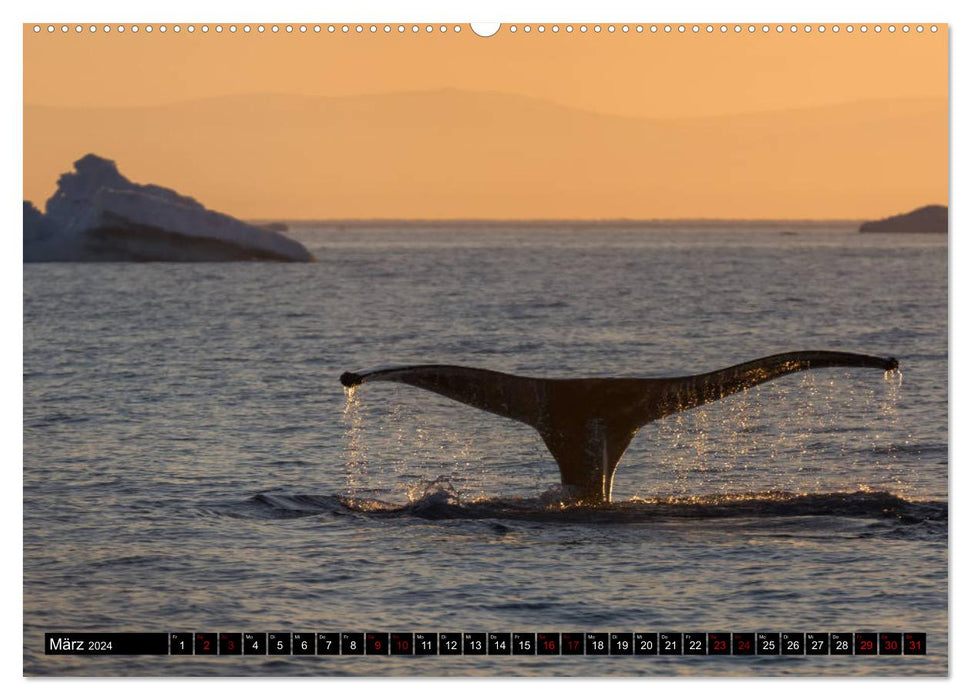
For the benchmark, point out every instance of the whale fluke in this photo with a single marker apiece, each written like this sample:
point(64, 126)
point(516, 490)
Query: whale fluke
point(587, 424)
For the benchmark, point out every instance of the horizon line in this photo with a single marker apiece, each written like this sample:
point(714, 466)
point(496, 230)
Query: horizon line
point(604, 220)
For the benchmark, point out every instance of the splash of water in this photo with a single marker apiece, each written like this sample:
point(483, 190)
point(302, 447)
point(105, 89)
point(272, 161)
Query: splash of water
point(409, 442)
point(355, 459)
point(802, 436)
point(437, 492)
point(799, 436)
point(557, 497)
point(894, 380)
point(894, 374)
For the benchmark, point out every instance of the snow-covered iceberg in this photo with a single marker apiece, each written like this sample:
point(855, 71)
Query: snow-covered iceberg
point(98, 215)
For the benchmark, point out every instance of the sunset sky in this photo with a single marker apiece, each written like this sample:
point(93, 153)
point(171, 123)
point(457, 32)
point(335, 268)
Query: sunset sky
point(512, 126)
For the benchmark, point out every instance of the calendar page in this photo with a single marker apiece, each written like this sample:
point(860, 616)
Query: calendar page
point(513, 349)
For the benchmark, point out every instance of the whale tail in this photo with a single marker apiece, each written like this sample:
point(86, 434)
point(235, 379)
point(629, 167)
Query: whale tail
point(587, 424)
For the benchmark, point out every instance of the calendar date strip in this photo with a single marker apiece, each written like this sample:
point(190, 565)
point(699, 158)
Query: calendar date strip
point(263, 644)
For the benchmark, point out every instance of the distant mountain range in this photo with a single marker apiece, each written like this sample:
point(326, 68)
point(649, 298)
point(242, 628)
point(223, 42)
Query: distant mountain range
point(456, 154)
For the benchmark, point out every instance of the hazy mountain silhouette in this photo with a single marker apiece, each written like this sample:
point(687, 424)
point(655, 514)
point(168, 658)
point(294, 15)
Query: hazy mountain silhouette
point(452, 153)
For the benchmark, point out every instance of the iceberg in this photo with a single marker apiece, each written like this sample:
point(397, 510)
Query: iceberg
point(99, 215)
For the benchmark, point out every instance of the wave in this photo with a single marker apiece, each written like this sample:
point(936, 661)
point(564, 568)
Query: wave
point(438, 500)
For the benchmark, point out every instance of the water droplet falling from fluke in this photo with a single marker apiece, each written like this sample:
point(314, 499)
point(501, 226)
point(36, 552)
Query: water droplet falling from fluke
point(894, 375)
point(355, 463)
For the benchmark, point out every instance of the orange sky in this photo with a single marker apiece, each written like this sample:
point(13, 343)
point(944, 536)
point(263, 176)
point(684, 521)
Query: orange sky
point(511, 126)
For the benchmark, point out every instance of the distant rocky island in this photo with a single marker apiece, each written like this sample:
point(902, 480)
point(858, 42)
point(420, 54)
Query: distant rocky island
point(929, 219)
point(98, 215)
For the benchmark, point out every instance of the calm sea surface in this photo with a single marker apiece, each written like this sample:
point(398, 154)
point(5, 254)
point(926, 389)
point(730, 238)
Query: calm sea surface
point(191, 462)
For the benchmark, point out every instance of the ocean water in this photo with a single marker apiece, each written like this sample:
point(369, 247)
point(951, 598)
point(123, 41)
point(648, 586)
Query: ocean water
point(191, 462)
